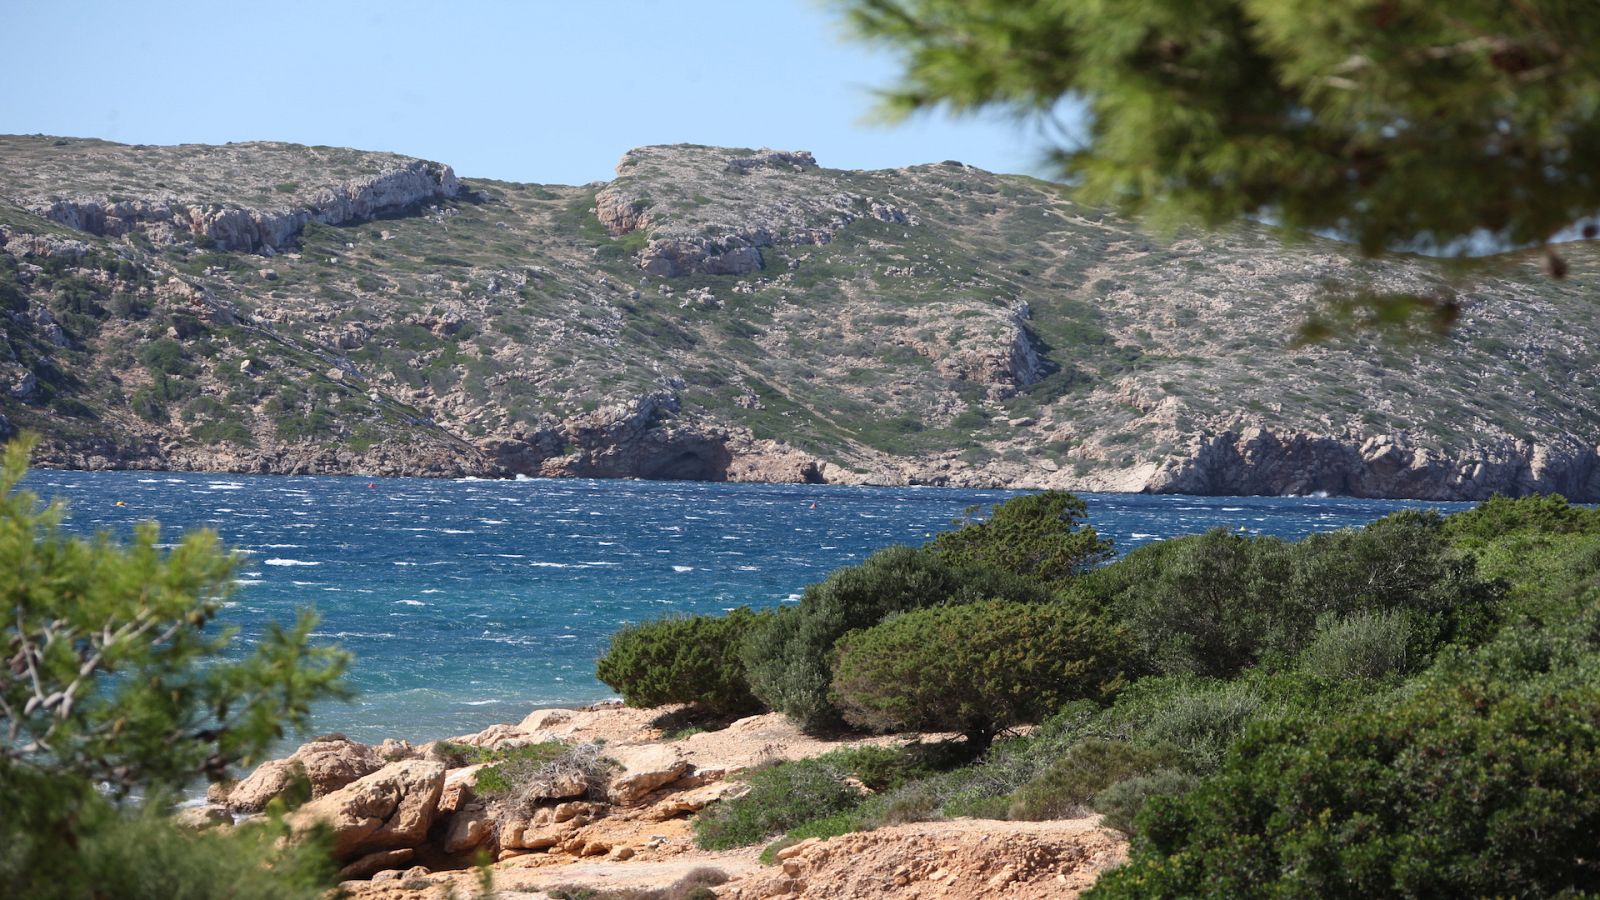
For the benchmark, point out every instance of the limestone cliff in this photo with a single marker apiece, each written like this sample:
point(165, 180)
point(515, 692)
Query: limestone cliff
point(751, 315)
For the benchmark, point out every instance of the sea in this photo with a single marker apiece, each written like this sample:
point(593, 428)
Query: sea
point(470, 602)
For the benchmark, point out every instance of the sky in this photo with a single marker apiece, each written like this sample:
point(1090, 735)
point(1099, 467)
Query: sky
point(550, 91)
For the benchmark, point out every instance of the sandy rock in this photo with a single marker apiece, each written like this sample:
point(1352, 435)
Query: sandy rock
point(469, 827)
point(459, 787)
point(373, 863)
point(546, 719)
point(682, 803)
point(328, 763)
point(496, 737)
point(203, 817)
point(942, 861)
point(643, 769)
point(389, 809)
point(270, 779)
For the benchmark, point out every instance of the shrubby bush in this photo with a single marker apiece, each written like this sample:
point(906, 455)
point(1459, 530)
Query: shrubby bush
point(683, 659)
point(1064, 790)
point(1365, 645)
point(788, 657)
point(1218, 603)
point(1499, 516)
point(781, 796)
point(976, 669)
point(1119, 804)
point(1470, 787)
point(1040, 537)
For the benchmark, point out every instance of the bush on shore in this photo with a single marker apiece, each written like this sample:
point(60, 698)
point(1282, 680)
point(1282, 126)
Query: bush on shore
point(975, 669)
point(1471, 787)
point(788, 656)
point(683, 659)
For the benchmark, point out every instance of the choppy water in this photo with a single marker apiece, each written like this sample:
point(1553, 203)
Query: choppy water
point(471, 602)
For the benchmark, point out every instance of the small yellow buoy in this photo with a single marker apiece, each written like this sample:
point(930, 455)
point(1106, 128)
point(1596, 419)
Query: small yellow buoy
point(120, 503)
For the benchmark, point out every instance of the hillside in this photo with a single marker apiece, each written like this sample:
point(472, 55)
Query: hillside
point(742, 314)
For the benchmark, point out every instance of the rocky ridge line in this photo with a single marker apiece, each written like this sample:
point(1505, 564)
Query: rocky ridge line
point(239, 228)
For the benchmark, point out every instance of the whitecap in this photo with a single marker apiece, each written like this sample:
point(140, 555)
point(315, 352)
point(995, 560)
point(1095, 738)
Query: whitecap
point(511, 555)
point(683, 568)
point(478, 702)
point(284, 561)
point(247, 581)
point(548, 565)
point(411, 602)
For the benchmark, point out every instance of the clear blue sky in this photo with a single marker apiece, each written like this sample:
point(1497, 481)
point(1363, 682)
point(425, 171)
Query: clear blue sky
point(546, 90)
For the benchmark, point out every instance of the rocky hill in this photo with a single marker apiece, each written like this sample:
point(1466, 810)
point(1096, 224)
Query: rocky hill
point(744, 314)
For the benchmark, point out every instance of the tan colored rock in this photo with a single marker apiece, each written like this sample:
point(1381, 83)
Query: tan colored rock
point(460, 787)
point(643, 769)
point(201, 817)
point(269, 780)
point(327, 763)
point(546, 719)
point(681, 803)
point(469, 828)
point(373, 863)
point(496, 737)
point(389, 809)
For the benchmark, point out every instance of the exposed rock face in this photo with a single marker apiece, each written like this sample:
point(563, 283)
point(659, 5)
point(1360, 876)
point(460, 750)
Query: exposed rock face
point(942, 861)
point(731, 245)
point(643, 438)
point(387, 810)
point(328, 764)
point(240, 228)
point(1260, 461)
point(756, 318)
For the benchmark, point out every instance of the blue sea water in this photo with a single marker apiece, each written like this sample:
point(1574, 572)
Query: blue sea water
point(472, 602)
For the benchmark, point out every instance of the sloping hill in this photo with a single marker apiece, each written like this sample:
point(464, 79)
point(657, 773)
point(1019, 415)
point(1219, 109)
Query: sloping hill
point(715, 313)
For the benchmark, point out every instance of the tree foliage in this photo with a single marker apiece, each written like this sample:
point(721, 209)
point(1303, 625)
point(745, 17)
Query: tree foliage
point(1472, 788)
point(683, 659)
point(1217, 603)
point(1039, 537)
point(118, 682)
point(1395, 122)
point(788, 656)
point(976, 669)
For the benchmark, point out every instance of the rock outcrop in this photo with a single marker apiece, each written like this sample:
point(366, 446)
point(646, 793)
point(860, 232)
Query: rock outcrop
point(226, 227)
point(1261, 461)
point(719, 314)
point(390, 809)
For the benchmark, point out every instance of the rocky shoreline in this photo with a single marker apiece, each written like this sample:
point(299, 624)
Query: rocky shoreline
point(1248, 461)
point(614, 812)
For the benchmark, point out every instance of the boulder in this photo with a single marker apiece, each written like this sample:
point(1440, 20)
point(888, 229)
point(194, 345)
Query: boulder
point(644, 768)
point(328, 763)
point(469, 828)
point(201, 817)
point(373, 863)
point(390, 809)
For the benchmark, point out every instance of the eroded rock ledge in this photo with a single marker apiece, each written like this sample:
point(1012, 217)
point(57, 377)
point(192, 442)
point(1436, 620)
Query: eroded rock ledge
point(229, 227)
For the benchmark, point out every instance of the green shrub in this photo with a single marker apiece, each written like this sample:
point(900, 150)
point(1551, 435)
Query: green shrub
point(1365, 645)
point(977, 668)
point(1063, 791)
point(686, 659)
point(788, 656)
point(1218, 603)
point(1119, 804)
point(165, 356)
point(1499, 516)
point(1041, 537)
point(781, 796)
point(1472, 786)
